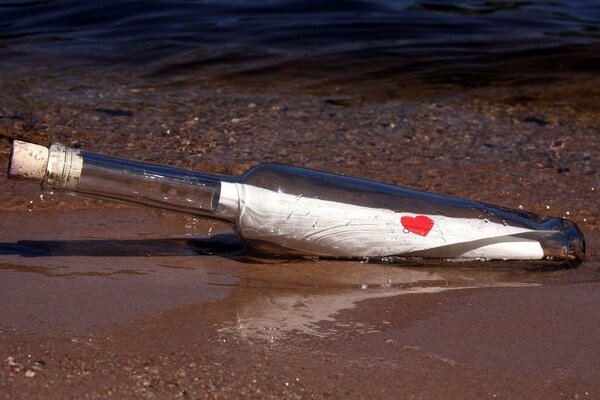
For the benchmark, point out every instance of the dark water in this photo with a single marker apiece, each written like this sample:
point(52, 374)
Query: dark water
point(469, 43)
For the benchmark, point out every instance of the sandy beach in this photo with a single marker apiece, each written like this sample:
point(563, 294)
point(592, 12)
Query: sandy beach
point(102, 300)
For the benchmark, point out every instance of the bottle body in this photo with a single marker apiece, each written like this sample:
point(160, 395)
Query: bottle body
point(286, 210)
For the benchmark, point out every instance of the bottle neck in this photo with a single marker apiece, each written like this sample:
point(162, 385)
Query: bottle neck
point(96, 176)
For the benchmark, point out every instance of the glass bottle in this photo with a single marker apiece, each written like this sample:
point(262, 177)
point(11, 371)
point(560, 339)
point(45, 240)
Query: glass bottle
point(285, 210)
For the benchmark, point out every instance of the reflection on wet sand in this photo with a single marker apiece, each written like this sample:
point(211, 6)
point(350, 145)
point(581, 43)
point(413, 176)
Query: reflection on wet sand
point(280, 314)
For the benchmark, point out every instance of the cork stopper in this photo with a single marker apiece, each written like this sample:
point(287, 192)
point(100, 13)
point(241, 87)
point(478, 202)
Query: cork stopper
point(28, 161)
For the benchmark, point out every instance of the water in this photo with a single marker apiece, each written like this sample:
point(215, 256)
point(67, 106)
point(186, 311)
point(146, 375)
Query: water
point(466, 43)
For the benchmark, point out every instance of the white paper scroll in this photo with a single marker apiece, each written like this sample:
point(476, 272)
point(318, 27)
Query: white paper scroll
point(329, 228)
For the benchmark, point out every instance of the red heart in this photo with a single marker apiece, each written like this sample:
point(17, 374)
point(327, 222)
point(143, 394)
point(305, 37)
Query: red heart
point(420, 225)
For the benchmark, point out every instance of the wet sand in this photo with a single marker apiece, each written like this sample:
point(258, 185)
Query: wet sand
point(102, 300)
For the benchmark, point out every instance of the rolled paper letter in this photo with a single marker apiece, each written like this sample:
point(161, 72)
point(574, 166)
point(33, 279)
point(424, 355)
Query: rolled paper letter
point(333, 229)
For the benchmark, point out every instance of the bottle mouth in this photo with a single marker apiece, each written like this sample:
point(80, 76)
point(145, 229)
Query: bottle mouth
point(575, 241)
point(27, 161)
